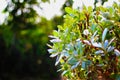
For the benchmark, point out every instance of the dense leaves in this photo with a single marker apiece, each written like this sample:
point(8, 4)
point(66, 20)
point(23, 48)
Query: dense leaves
point(87, 45)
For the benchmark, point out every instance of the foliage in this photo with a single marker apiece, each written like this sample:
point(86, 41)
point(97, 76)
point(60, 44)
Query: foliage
point(87, 45)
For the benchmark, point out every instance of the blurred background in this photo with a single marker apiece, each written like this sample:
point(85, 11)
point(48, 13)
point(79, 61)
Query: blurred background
point(24, 29)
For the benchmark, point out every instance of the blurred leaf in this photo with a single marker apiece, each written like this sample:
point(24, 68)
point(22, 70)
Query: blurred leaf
point(87, 42)
point(106, 44)
point(111, 10)
point(55, 40)
point(99, 45)
point(64, 72)
point(110, 48)
point(106, 15)
point(99, 52)
point(68, 10)
point(72, 61)
point(118, 77)
point(58, 59)
point(93, 27)
point(66, 54)
point(79, 47)
point(49, 46)
point(83, 65)
point(90, 9)
point(104, 34)
point(52, 36)
point(117, 52)
point(60, 27)
point(111, 40)
point(93, 36)
point(51, 51)
point(75, 65)
point(55, 33)
point(54, 55)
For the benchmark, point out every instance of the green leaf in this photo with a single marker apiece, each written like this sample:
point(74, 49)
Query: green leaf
point(102, 9)
point(54, 55)
point(107, 15)
point(72, 15)
point(69, 47)
point(66, 53)
point(117, 52)
point(76, 65)
point(106, 44)
point(93, 27)
point(65, 72)
point(49, 46)
point(55, 33)
point(60, 27)
point(75, 53)
point(83, 65)
point(110, 48)
point(99, 52)
point(111, 41)
point(55, 40)
point(51, 50)
point(95, 44)
point(92, 38)
point(79, 47)
point(50, 36)
point(72, 61)
point(104, 34)
point(68, 10)
point(58, 59)
point(111, 10)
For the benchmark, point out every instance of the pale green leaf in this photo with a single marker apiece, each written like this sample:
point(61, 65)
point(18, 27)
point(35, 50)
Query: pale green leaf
point(105, 44)
point(54, 54)
point(64, 72)
point(58, 59)
point(104, 34)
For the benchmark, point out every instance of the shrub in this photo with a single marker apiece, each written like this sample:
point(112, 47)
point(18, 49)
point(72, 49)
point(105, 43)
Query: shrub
point(87, 45)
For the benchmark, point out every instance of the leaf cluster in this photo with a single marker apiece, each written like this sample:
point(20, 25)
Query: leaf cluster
point(87, 45)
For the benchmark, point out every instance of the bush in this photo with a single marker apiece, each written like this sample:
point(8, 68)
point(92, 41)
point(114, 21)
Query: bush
point(87, 45)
